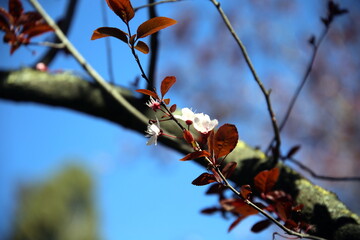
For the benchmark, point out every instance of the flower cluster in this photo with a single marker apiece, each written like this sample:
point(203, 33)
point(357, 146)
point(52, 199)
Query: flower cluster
point(202, 122)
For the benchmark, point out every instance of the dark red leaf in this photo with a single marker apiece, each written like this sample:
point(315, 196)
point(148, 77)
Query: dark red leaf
point(216, 175)
point(38, 30)
point(292, 151)
point(283, 209)
point(142, 47)
point(245, 191)
point(229, 169)
point(265, 180)
point(166, 84)
point(173, 108)
point(4, 20)
point(204, 179)
point(154, 25)
point(225, 140)
point(238, 206)
point(30, 19)
point(235, 223)
point(210, 210)
point(148, 92)
point(110, 32)
point(15, 8)
point(216, 188)
point(291, 224)
point(195, 155)
point(260, 226)
point(122, 8)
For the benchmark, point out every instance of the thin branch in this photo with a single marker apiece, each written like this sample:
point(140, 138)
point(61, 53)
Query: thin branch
point(257, 79)
point(49, 44)
point(92, 72)
point(151, 4)
point(305, 78)
point(321, 177)
point(293, 100)
point(64, 23)
point(108, 45)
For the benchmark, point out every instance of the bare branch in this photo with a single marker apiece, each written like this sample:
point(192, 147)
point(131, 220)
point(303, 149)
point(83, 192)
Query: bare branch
point(321, 177)
point(265, 92)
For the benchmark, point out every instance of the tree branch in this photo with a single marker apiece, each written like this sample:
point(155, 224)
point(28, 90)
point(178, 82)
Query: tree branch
point(321, 207)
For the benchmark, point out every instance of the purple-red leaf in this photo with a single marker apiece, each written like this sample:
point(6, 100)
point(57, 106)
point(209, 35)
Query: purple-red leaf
point(148, 92)
point(235, 223)
point(195, 155)
point(37, 30)
point(229, 169)
point(245, 191)
point(15, 8)
point(110, 32)
point(262, 225)
point(154, 25)
point(204, 179)
point(142, 47)
point(166, 84)
point(217, 188)
point(5, 19)
point(173, 108)
point(122, 8)
point(225, 140)
point(265, 180)
point(210, 210)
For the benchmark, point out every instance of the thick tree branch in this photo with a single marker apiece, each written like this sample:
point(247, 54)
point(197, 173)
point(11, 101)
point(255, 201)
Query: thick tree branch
point(332, 219)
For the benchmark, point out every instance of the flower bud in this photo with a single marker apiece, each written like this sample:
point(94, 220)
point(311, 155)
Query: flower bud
point(188, 136)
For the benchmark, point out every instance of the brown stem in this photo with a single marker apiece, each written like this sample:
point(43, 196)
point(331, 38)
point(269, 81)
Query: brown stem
point(265, 92)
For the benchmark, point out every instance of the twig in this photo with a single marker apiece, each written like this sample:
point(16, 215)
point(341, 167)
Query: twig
point(321, 177)
point(155, 3)
point(64, 23)
point(92, 72)
point(293, 100)
point(257, 79)
point(108, 45)
point(49, 44)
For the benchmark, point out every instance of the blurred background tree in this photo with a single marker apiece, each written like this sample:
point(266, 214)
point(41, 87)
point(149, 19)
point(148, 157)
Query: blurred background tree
point(58, 208)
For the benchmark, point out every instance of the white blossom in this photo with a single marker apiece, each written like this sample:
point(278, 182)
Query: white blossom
point(203, 123)
point(187, 116)
point(153, 131)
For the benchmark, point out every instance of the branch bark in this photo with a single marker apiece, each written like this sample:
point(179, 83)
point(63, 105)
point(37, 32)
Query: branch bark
point(332, 219)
